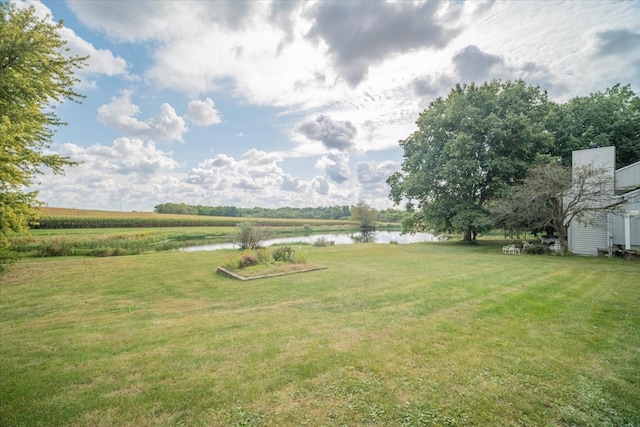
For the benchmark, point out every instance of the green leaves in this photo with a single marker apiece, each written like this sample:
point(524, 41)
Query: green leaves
point(35, 73)
point(467, 148)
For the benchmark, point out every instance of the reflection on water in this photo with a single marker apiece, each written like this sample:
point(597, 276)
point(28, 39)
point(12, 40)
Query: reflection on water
point(337, 239)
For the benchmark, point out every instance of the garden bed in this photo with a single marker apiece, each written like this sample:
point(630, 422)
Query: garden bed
point(260, 272)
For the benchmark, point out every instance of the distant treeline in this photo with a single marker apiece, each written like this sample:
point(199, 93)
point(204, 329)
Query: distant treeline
point(338, 212)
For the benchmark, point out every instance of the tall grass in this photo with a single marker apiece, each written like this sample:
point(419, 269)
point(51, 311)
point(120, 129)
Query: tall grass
point(422, 334)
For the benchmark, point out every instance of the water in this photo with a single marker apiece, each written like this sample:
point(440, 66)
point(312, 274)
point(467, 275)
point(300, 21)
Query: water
point(338, 239)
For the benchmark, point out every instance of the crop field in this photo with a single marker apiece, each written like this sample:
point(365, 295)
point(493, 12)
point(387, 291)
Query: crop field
point(65, 218)
point(429, 334)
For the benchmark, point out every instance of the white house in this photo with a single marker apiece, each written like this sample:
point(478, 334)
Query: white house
point(611, 231)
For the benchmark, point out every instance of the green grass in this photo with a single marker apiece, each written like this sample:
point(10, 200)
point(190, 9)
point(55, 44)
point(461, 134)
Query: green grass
point(388, 335)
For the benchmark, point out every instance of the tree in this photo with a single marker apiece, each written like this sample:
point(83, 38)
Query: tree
point(36, 73)
point(554, 195)
point(364, 214)
point(468, 148)
point(251, 236)
point(605, 119)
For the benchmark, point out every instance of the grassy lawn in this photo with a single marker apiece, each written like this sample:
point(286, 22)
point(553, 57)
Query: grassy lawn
point(389, 335)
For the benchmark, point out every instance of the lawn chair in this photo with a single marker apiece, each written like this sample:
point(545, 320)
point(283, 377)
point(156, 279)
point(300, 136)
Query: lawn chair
point(510, 249)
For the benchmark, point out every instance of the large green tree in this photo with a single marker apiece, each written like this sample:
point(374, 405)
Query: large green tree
point(604, 118)
point(36, 73)
point(468, 147)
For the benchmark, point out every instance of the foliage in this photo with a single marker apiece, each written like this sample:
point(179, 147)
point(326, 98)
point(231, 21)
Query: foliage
point(232, 261)
point(178, 208)
point(6, 257)
point(55, 247)
point(322, 212)
point(537, 249)
point(250, 236)
point(553, 195)
point(264, 256)
point(364, 214)
point(36, 73)
point(468, 148)
point(391, 215)
point(248, 261)
point(283, 254)
point(322, 241)
point(603, 119)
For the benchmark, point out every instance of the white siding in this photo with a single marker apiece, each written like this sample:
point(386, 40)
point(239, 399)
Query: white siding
point(628, 178)
point(604, 157)
point(585, 239)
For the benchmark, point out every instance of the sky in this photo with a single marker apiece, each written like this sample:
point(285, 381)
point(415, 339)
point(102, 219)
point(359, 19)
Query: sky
point(297, 103)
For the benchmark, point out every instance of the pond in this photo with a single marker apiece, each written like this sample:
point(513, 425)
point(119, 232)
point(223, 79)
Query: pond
point(337, 239)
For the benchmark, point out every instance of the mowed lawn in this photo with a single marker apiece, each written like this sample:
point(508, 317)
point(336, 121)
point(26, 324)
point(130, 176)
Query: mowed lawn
point(387, 335)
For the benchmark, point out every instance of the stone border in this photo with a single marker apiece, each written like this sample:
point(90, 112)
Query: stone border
point(242, 278)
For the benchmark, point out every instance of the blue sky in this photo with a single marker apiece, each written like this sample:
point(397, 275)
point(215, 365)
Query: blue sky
point(298, 103)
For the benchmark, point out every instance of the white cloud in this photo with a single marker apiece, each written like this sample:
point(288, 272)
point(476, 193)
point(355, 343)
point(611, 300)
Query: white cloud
point(101, 61)
point(203, 113)
point(372, 176)
point(333, 134)
point(336, 166)
point(128, 174)
point(121, 114)
point(361, 34)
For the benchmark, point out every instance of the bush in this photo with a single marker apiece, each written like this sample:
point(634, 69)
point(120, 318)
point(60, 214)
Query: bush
point(324, 242)
point(537, 249)
point(263, 255)
point(300, 256)
point(284, 254)
point(6, 258)
point(233, 261)
point(248, 261)
point(251, 236)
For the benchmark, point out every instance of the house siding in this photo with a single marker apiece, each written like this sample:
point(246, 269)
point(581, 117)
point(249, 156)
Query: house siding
point(628, 178)
point(585, 239)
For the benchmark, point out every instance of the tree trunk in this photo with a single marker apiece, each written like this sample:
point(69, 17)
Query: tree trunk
point(468, 234)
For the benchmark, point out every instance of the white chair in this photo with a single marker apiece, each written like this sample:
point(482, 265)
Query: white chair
point(510, 249)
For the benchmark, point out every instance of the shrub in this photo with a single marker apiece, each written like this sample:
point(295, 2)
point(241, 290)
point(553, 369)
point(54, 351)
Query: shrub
point(300, 256)
point(6, 258)
point(233, 261)
point(263, 255)
point(248, 261)
point(284, 254)
point(537, 249)
point(323, 242)
point(251, 236)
